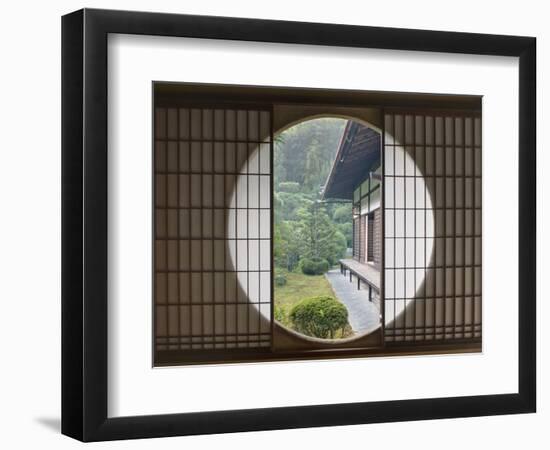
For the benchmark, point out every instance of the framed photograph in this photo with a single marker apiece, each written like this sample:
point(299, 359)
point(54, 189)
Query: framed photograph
point(273, 224)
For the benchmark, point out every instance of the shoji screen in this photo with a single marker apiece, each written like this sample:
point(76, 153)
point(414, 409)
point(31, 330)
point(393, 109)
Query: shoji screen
point(432, 227)
point(212, 228)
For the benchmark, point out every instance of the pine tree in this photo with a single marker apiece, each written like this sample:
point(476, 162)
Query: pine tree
point(319, 235)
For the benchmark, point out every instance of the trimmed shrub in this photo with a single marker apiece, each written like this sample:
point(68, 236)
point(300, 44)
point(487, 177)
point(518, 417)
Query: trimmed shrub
point(319, 317)
point(279, 278)
point(314, 266)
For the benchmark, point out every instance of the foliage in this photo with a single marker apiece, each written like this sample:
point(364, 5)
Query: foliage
point(286, 245)
point(281, 315)
point(314, 266)
point(342, 213)
point(337, 248)
point(279, 278)
point(289, 186)
point(305, 227)
point(298, 287)
point(304, 153)
point(309, 235)
point(319, 236)
point(289, 204)
point(347, 231)
point(319, 316)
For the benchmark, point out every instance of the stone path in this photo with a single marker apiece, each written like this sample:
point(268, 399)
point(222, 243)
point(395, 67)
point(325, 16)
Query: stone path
point(363, 315)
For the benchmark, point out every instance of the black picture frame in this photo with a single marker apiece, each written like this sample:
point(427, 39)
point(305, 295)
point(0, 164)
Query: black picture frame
point(84, 224)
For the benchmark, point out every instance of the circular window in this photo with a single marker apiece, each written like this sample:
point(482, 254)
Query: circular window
point(327, 195)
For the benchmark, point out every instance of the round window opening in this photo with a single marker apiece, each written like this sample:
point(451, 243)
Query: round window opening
point(327, 229)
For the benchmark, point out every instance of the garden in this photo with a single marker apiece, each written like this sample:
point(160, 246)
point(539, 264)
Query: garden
point(310, 235)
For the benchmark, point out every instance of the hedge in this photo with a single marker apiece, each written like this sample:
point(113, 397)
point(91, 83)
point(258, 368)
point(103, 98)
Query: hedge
point(314, 266)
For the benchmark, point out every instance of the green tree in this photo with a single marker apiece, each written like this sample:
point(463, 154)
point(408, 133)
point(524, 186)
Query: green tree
point(304, 228)
point(304, 152)
point(316, 167)
point(289, 203)
point(319, 235)
point(289, 186)
point(286, 245)
point(347, 230)
point(342, 213)
point(336, 248)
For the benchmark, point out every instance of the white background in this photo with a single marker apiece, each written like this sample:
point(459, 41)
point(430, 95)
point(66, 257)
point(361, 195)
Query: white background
point(30, 227)
point(136, 389)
